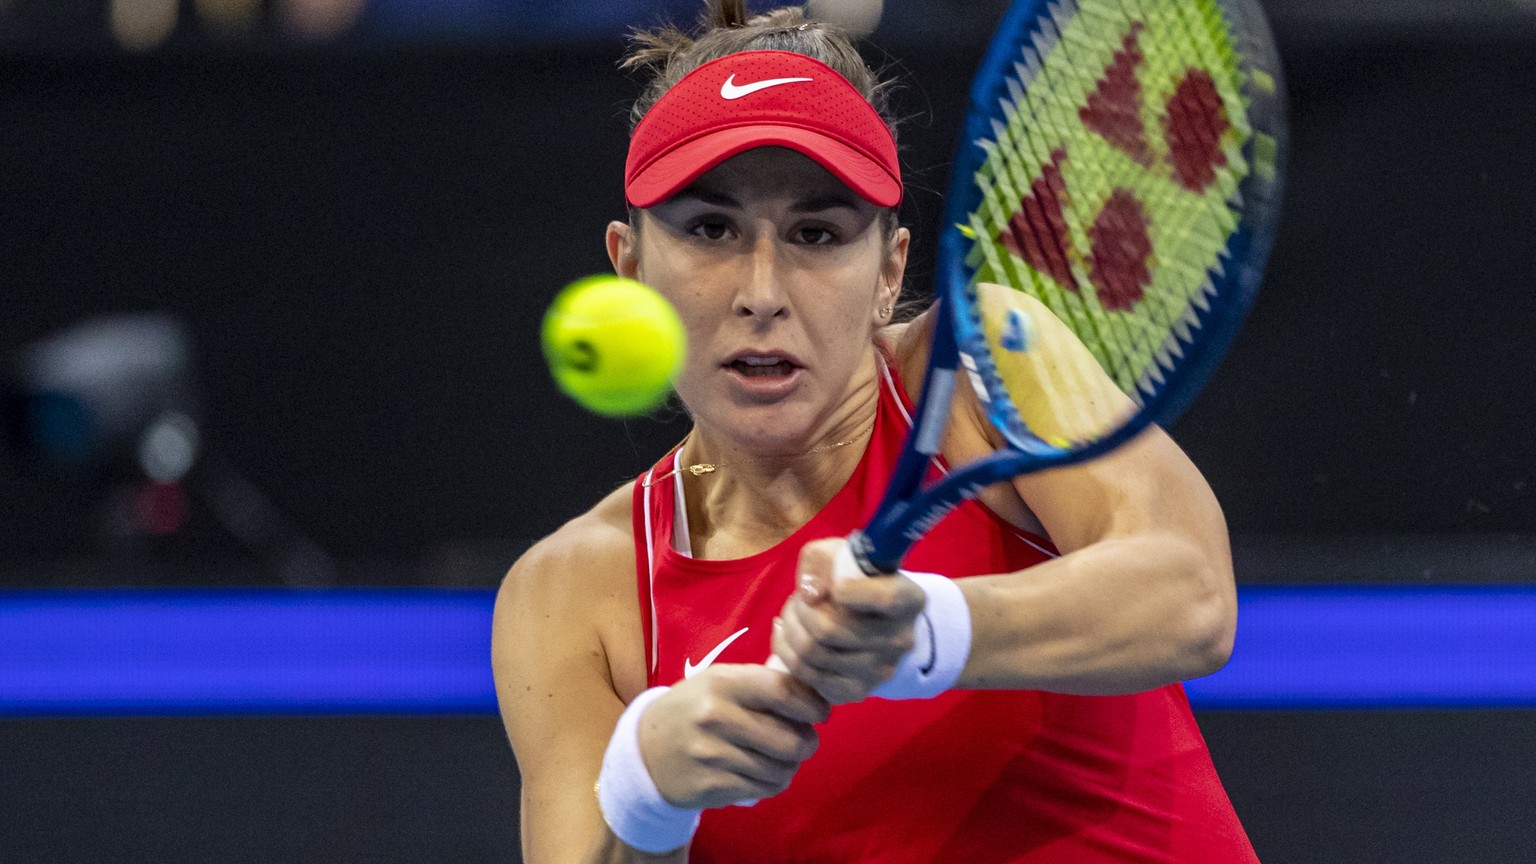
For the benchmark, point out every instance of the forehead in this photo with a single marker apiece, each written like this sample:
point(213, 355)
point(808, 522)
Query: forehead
point(772, 173)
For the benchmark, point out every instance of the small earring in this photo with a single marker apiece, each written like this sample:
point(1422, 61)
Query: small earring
point(886, 312)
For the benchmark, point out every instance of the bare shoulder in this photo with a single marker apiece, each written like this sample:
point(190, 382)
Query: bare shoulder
point(968, 435)
point(567, 655)
point(580, 553)
point(571, 598)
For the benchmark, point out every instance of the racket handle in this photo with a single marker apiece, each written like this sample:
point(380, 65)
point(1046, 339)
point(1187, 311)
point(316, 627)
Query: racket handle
point(856, 561)
point(844, 567)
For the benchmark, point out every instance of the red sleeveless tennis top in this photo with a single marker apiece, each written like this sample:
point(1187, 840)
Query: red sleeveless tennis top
point(971, 777)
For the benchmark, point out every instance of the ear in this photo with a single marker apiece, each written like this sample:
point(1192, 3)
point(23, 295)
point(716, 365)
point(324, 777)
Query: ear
point(621, 239)
point(892, 272)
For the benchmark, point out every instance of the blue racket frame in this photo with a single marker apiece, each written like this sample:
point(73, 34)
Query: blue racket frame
point(908, 511)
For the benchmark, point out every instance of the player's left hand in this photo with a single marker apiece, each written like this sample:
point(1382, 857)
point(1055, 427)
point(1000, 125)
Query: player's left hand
point(842, 632)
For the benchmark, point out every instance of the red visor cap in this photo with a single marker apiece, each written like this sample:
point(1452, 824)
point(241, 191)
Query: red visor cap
point(761, 99)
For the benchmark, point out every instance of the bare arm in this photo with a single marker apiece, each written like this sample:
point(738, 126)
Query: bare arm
point(559, 704)
point(1142, 595)
point(567, 660)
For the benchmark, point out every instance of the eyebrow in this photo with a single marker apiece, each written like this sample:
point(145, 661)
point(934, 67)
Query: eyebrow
point(810, 205)
point(707, 196)
point(826, 202)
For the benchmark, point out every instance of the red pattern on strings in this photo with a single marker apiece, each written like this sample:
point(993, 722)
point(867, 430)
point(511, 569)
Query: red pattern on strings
point(1121, 249)
point(1037, 231)
point(1114, 107)
point(1196, 122)
point(1120, 257)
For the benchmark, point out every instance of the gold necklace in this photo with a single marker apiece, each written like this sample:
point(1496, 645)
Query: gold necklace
point(702, 468)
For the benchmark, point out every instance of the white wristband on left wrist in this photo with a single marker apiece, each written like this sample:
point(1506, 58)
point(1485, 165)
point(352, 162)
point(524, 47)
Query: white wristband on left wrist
point(942, 634)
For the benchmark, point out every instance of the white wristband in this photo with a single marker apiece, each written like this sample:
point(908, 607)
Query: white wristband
point(943, 634)
point(631, 804)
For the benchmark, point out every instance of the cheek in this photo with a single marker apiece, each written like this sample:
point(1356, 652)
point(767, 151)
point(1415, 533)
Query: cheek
point(860, 300)
point(699, 324)
point(843, 327)
point(676, 286)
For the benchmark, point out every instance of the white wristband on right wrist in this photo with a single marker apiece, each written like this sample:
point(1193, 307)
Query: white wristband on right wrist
point(943, 642)
point(631, 804)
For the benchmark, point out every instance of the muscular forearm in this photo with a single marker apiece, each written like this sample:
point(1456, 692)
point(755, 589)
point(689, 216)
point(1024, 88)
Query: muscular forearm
point(1118, 616)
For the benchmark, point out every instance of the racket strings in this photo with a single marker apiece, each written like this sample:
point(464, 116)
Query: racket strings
point(1040, 231)
point(1197, 148)
point(1216, 118)
point(1036, 118)
point(1147, 187)
point(1049, 117)
point(1120, 244)
point(1121, 132)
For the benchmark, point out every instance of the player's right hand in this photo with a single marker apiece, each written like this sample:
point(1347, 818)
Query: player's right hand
point(730, 733)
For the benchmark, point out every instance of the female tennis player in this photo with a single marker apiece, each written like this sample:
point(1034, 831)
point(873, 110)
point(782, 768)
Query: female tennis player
point(1010, 697)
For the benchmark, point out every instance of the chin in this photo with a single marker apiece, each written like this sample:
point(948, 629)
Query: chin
point(781, 426)
point(772, 430)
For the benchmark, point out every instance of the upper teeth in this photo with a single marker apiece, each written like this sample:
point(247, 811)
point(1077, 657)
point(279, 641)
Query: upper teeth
point(760, 361)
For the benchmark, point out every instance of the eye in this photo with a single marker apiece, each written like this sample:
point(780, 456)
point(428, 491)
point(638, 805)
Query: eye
point(815, 235)
point(710, 229)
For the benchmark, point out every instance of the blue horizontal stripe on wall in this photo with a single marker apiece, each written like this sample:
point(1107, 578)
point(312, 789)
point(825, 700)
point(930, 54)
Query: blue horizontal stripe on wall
point(245, 652)
point(363, 651)
point(1313, 647)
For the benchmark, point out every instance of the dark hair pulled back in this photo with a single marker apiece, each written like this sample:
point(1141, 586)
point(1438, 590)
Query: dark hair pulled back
point(668, 53)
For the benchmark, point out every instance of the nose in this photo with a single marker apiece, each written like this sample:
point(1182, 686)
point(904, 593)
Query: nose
point(761, 294)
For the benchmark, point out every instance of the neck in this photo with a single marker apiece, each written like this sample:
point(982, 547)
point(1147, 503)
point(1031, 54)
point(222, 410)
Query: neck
point(754, 498)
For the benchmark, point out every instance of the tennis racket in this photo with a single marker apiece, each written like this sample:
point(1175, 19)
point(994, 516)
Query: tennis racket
point(1112, 205)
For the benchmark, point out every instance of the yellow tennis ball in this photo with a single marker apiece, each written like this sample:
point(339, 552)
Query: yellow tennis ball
point(614, 345)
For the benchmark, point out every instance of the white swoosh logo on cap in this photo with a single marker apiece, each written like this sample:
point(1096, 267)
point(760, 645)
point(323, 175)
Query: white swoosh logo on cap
point(731, 90)
point(690, 670)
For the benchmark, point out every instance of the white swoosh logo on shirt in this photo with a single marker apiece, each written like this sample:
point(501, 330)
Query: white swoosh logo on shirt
point(731, 90)
point(690, 670)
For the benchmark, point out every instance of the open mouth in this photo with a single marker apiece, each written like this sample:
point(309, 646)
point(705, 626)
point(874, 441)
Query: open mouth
point(763, 367)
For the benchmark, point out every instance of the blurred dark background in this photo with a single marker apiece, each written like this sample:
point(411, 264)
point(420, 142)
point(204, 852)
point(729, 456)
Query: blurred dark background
point(345, 217)
point(360, 232)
